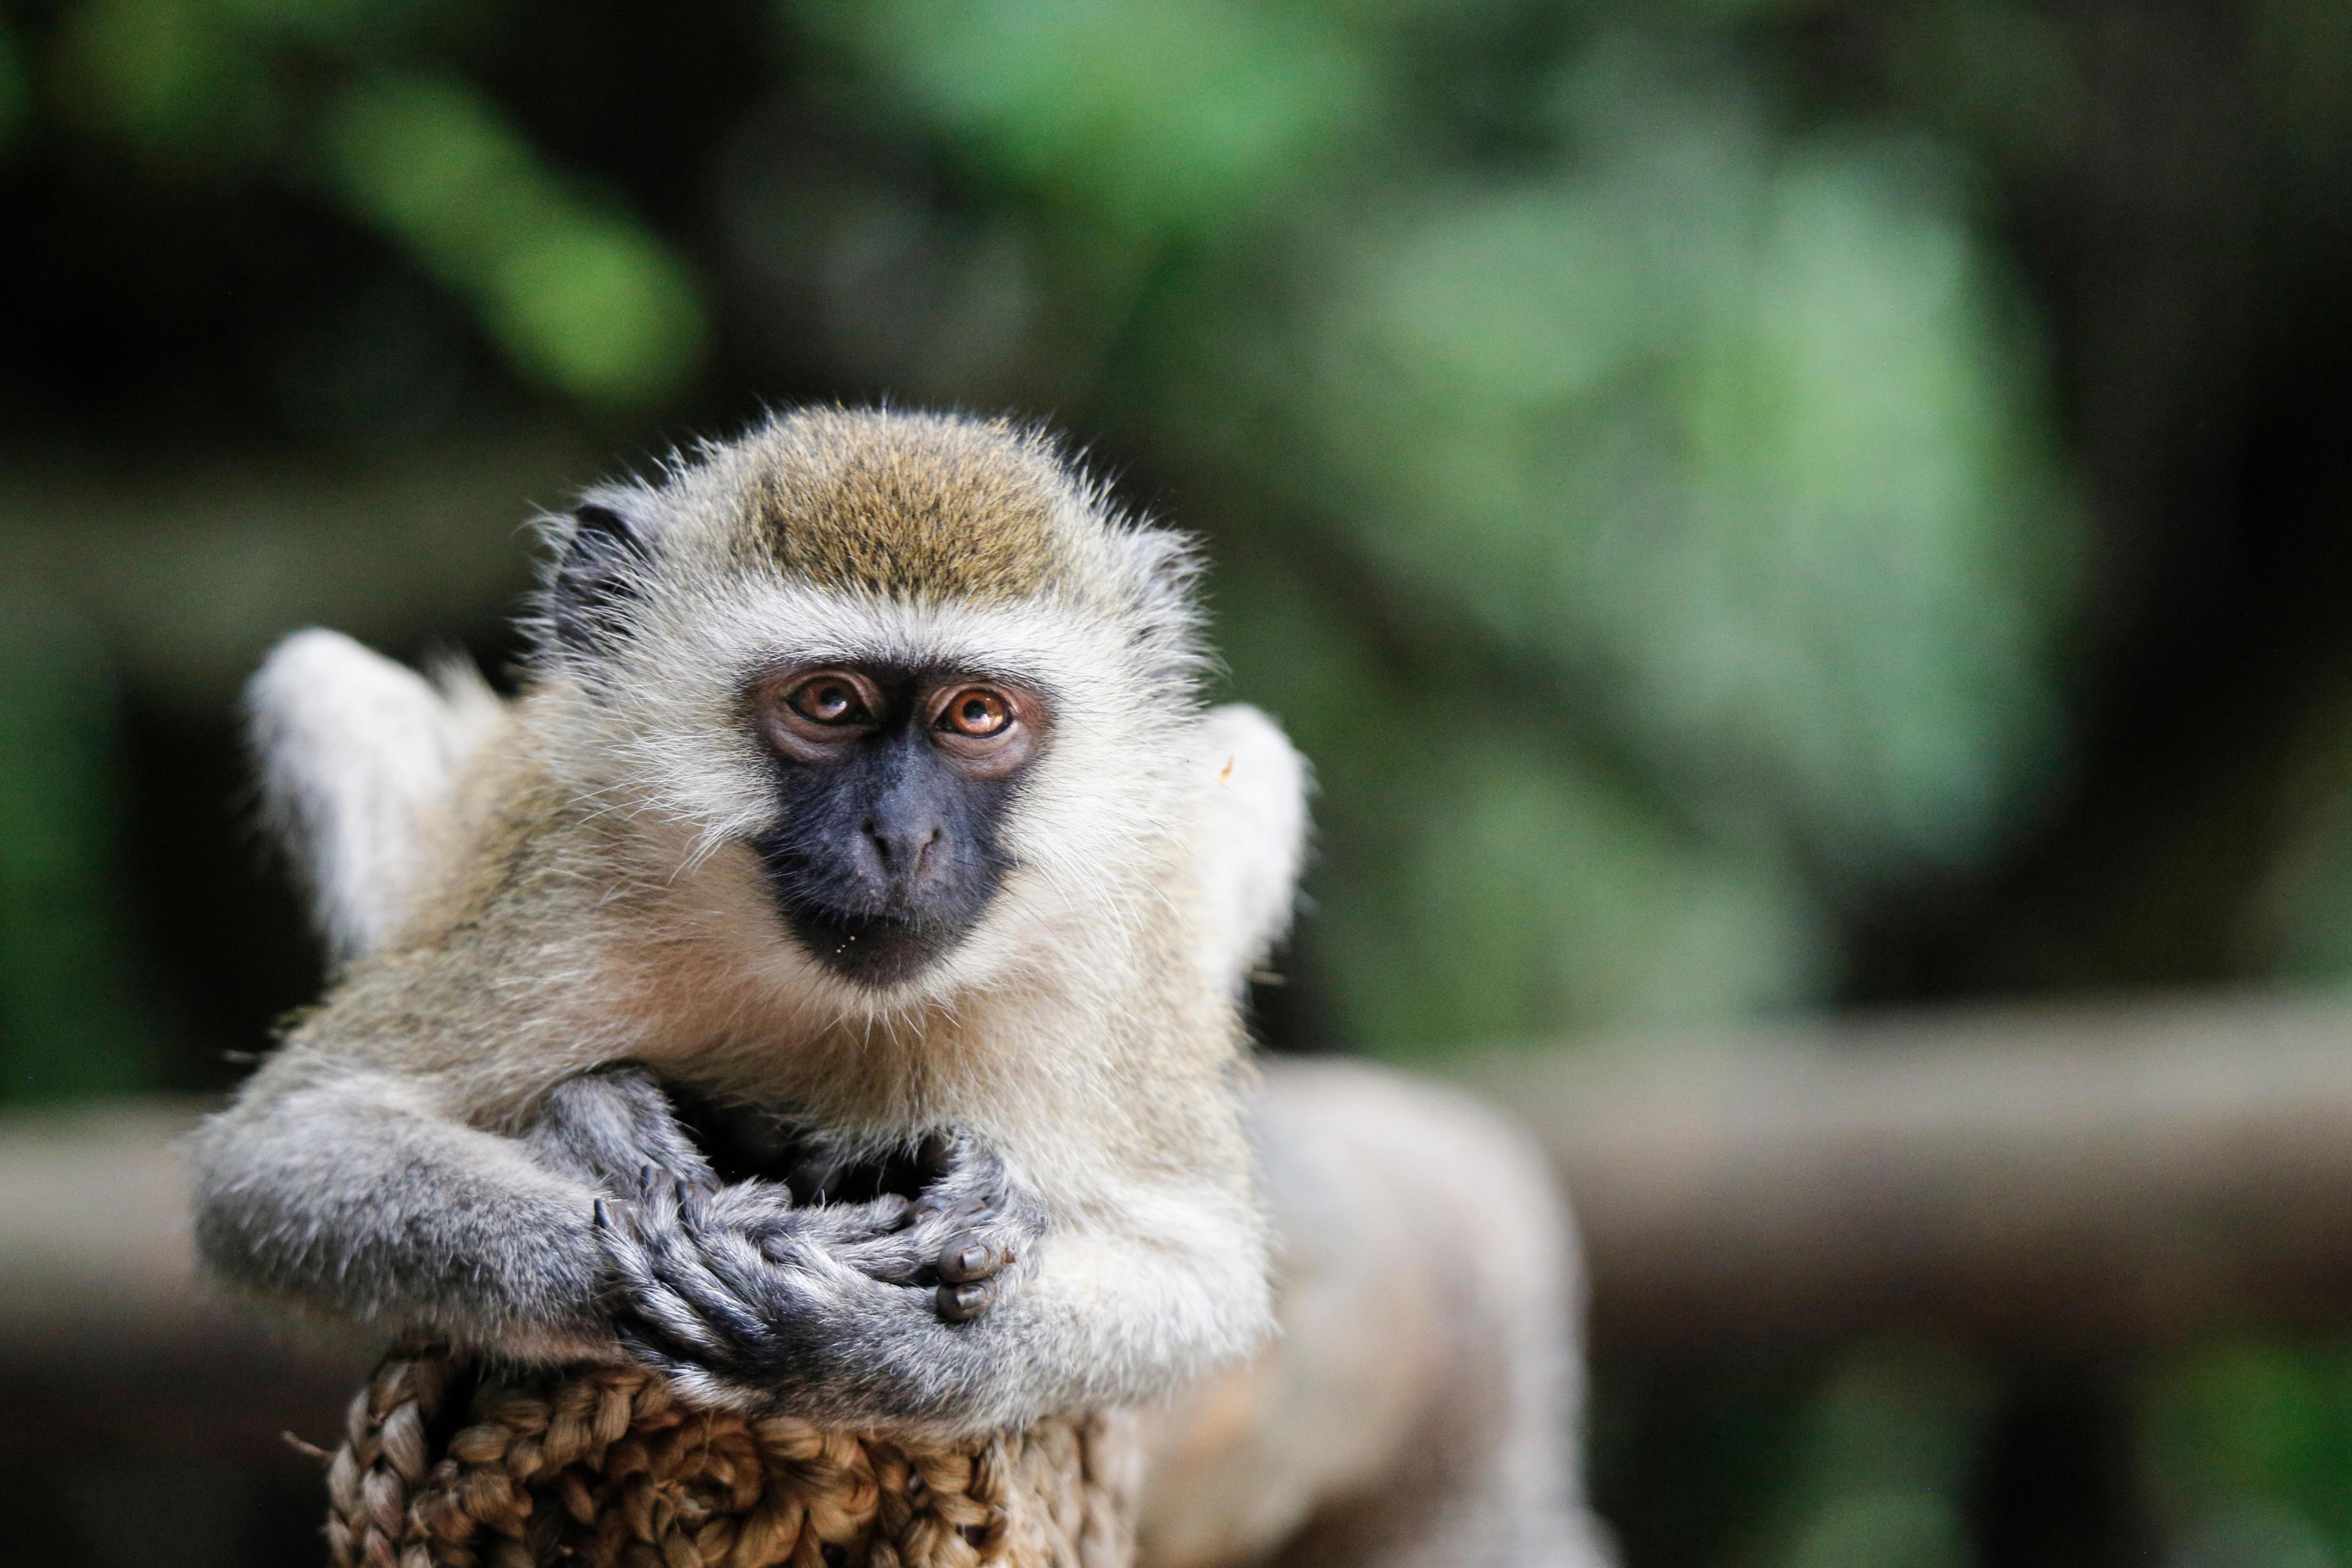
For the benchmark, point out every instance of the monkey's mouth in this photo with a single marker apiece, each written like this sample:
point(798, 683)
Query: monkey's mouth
point(877, 950)
point(879, 932)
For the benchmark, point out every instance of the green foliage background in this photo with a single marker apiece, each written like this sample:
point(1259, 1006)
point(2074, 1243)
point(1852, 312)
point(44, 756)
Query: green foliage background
point(1752, 505)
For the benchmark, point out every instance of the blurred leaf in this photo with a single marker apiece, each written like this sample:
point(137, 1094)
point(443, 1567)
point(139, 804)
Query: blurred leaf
point(1145, 118)
point(1893, 1436)
point(580, 295)
point(1704, 471)
point(172, 77)
point(1732, 437)
point(2255, 1423)
point(2302, 76)
point(597, 306)
point(1517, 900)
point(1476, 882)
point(2299, 926)
point(434, 162)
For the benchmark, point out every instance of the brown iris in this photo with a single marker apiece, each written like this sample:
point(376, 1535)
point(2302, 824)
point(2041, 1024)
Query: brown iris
point(976, 711)
point(830, 699)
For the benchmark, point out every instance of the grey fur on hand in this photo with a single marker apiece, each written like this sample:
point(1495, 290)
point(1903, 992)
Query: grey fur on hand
point(857, 1312)
point(615, 1130)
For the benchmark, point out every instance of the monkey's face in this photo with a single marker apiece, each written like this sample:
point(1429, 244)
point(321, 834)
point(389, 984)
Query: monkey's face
point(893, 785)
point(894, 702)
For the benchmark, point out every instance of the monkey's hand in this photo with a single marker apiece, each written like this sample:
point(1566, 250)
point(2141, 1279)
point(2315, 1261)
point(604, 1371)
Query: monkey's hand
point(853, 1312)
point(616, 1131)
point(969, 1226)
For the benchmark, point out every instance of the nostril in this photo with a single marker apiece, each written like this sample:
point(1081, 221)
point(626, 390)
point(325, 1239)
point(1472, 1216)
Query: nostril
point(901, 852)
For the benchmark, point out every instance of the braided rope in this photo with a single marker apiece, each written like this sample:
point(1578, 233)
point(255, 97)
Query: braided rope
point(606, 1466)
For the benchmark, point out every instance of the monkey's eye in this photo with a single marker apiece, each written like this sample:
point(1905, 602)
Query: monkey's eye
point(976, 711)
point(829, 699)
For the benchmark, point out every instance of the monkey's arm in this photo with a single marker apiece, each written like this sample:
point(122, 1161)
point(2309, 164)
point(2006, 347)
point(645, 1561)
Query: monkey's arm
point(1124, 1310)
point(354, 1193)
point(1112, 1303)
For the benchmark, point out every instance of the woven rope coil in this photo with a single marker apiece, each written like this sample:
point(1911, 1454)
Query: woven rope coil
point(446, 1464)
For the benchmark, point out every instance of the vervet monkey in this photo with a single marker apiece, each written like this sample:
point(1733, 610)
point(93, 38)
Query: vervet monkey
point(857, 771)
point(1420, 1405)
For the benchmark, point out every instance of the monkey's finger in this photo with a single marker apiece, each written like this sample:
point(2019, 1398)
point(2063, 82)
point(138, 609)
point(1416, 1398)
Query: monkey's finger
point(621, 1232)
point(670, 1286)
point(753, 1299)
point(895, 1259)
point(651, 1302)
point(837, 1227)
point(701, 1325)
point(850, 1224)
point(719, 1311)
point(784, 1291)
point(754, 1208)
point(653, 1126)
point(694, 1378)
point(962, 1303)
point(659, 1193)
point(690, 1181)
point(971, 1256)
point(978, 1179)
point(935, 1205)
point(734, 1259)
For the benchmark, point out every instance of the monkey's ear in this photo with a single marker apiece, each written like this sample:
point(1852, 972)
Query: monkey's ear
point(599, 574)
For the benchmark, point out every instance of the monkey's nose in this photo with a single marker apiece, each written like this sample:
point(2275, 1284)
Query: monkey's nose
point(901, 847)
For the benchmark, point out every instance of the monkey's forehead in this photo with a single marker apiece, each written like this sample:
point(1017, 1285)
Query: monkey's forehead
point(902, 506)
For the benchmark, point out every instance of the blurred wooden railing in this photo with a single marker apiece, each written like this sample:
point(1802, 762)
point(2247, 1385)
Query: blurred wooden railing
point(2092, 1177)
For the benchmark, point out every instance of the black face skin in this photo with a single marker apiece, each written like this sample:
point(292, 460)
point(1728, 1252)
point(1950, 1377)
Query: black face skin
point(893, 785)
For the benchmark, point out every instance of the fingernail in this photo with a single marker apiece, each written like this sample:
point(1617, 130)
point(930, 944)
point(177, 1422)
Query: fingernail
point(961, 1303)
